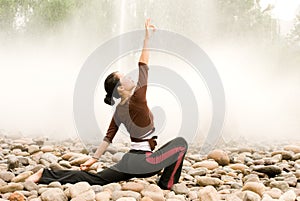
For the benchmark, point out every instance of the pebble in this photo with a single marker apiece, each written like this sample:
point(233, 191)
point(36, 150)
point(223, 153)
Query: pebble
point(6, 176)
point(297, 174)
point(126, 199)
point(153, 195)
point(47, 149)
point(132, 186)
point(49, 157)
point(293, 148)
point(103, 196)
point(154, 192)
point(288, 196)
point(255, 187)
point(209, 193)
point(30, 185)
point(251, 196)
point(209, 164)
point(119, 194)
point(24, 161)
point(146, 199)
point(86, 196)
point(33, 149)
point(277, 158)
point(291, 180)
point(16, 196)
point(270, 170)
point(233, 173)
point(286, 155)
point(97, 188)
point(233, 198)
point(296, 157)
point(238, 166)
point(65, 164)
point(55, 184)
point(172, 196)
point(192, 195)
point(54, 194)
point(69, 155)
point(180, 188)
point(282, 185)
point(267, 197)
point(117, 157)
point(251, 178)
point(112, 187)
point(11, 187)
point(208, 181)
point(274, 193)
point(56, 166)
point(220, 156)
point(198, 172)
point(21, 177)
point(79, 160)
point(79, 188)
point(12, 162)
point(112, 149)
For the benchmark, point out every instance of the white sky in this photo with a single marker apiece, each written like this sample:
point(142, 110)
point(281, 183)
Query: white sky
point(37, 81)
point(284, 9)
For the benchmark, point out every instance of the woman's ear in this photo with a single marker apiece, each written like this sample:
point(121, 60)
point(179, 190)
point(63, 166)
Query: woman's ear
point(120, 89)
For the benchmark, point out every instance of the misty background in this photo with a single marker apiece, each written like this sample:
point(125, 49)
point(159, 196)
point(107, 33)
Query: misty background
point(255, 46)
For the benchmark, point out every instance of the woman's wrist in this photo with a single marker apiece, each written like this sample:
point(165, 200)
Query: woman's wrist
point(96, 158)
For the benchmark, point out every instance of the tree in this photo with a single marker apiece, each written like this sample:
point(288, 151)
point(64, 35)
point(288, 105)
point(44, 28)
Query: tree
point(19, 16)
point(294, 37)
point(245, 19)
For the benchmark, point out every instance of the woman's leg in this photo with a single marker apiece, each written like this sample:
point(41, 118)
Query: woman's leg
point(170, 156)
point(73, 176)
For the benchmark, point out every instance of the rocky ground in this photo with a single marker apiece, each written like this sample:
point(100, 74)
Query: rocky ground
point(232, 172)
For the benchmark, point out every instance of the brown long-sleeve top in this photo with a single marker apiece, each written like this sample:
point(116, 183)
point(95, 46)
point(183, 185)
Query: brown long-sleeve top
point(135, 113)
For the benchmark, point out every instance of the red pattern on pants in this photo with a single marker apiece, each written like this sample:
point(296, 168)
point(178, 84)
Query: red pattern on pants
point(135, 163)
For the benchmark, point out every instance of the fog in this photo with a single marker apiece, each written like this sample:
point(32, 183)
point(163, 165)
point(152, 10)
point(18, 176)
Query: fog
point(38, 72)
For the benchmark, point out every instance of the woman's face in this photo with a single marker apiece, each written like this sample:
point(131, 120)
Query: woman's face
point(126, 81)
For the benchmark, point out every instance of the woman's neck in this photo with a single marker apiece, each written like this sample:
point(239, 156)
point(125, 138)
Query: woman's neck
point(125, 96)
point(124, 100)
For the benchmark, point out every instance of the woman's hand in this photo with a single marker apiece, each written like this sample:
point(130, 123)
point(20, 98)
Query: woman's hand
point(148, 26)
point(100, 150)
point(87, 164)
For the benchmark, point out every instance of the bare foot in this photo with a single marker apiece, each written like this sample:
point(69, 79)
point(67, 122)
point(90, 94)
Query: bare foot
point(36, 176)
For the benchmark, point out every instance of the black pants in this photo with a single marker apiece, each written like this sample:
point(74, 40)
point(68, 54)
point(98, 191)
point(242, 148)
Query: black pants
point(135, 163)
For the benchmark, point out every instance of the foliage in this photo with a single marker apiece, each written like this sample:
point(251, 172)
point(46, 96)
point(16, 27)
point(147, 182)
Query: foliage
point(294, 37)
point(243, 18)
point(29, 15)
point(236, 18)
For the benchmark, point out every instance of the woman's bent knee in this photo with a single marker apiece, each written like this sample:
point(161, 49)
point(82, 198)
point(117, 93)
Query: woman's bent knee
point(181, 141)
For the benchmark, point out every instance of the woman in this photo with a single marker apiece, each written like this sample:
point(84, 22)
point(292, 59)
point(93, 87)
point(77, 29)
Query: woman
point(134, 113)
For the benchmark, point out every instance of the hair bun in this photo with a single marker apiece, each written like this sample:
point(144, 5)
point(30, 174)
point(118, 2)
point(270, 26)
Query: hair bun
point(109, 100)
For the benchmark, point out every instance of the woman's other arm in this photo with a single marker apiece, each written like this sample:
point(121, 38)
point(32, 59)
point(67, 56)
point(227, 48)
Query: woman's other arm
point(100, 150)
point(111, 132)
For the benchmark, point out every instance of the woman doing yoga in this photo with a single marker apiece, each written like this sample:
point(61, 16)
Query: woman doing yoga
point(133, 112)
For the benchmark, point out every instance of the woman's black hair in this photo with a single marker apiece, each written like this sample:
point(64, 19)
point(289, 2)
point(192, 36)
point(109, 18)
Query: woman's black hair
point(110, 85)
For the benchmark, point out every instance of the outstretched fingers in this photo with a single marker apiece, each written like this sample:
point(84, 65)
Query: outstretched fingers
point(148, 25)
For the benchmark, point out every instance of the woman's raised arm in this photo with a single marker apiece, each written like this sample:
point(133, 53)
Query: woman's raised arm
point(144, 58)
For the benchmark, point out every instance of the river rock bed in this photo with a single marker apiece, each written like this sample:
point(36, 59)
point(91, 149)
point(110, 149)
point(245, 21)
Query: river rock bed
point(236, 171)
